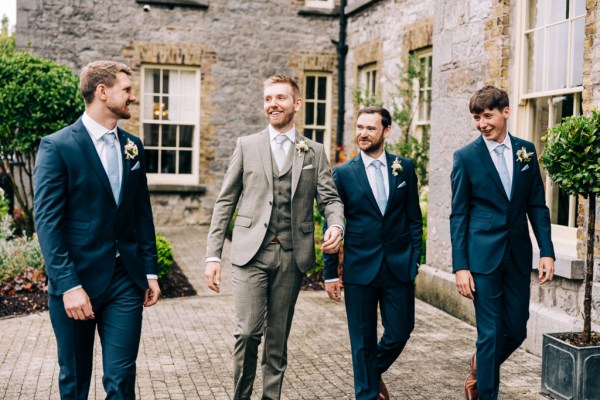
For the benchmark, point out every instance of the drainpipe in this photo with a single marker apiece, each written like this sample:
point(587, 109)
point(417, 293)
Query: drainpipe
point(342, 49)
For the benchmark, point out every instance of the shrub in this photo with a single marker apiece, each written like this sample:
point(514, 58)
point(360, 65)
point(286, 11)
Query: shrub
point(318, 218)
point(165, 256)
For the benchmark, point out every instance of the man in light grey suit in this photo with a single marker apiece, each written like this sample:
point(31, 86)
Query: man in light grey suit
point(276, 175)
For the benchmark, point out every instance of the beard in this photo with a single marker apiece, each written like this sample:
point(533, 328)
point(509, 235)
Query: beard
point(373, 146)
point(121, 112)
point(283, 121)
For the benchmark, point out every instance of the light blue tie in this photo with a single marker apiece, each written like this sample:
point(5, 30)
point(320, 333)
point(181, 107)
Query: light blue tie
point(379, 186)
point(503, 169)
point(113, 163)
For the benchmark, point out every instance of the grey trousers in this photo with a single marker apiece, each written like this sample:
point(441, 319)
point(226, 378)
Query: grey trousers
point(265, 292)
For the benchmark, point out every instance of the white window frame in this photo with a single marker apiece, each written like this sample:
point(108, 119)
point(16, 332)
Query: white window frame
point(328, 107)
point(170, 178)
point(367, 75)
point(563, 237)
point(419, 120)
point(319, 3)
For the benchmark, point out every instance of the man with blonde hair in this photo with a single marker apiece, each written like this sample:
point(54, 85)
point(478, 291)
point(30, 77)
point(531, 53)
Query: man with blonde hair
point(94, 223)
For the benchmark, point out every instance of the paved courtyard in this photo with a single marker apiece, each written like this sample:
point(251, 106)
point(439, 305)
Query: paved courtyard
point(187, 343)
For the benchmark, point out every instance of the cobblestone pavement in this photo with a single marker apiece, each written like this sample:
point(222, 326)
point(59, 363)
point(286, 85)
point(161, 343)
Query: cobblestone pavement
point(187, 343)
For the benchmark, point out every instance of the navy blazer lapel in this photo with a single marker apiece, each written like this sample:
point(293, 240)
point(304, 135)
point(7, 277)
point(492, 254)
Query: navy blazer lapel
point(82, 137)
point(126, 163)
point(361, 176)
point(486, 159)
point(393, 179)
point(516, 144)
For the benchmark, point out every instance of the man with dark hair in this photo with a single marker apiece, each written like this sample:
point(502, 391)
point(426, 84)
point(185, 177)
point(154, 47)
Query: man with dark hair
point(496, 186)
point(94, 224)
point(382, 250)
point(276, 175)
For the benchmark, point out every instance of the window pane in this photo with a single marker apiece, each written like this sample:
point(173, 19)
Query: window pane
point(322, 88)
point(309, 118)
point(186, 134)
point(156, 81)
point(558, 11)
point(310, 87)
point(156, 107)
point(556, 61)
point(167, 165)
point(319, 135)
point(185, 162)
point(309, 133)
point(165, 88)
point(578, 33)
point(151, 134)
point(187, 83)
point(321, 114)
point(149, 107)
point(578, 8)
point(151, 161)
point(149, 80)
point(165, 108)
point(169, 137)
point(535, 70)
point(537, 10)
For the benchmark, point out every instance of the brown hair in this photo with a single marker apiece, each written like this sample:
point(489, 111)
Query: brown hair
point(99, 72)
point(386, 118)
point(278, 78)
point(488, 97)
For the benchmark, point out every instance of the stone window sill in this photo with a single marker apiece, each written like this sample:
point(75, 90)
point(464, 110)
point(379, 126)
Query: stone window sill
point(201, 4)
point(319, 12)
point(566, 265)
point(177, 189)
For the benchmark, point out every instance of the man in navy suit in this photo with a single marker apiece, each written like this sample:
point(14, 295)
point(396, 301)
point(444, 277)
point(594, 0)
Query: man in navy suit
point(496, 185)
point(94, 223)
point(382, 249)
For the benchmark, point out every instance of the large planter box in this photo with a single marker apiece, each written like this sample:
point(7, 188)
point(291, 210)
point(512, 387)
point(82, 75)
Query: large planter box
point(570, 372)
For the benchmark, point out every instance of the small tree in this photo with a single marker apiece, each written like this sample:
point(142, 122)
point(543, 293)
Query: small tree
point(37, 97)
point(572, 160)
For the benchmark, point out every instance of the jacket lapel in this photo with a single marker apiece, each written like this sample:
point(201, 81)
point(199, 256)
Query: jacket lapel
point(82, 137)
point(486, 160)
point(516, 145)
point(358, 167)
point(297, 164)
point(264, 147)
point(393, 180)
point(126, 163)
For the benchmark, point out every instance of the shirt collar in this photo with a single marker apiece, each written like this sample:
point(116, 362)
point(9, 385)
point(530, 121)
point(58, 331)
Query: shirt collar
point(368, 159)
point(95, 130)
point(291, 134)
point(491, 144)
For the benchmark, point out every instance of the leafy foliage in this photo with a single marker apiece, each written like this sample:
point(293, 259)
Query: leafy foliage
point(17, 254)
point(165, 256)
point(7, 42)
point(319, 221)
point(37, 97)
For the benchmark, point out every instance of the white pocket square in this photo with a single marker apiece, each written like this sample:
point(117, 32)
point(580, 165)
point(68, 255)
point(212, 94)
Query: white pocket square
point(309, 166)
point(136, 166)
point(525, 168)
point(402, 184)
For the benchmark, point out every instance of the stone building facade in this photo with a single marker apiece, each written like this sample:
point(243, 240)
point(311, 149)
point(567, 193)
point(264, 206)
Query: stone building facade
point(545, 57)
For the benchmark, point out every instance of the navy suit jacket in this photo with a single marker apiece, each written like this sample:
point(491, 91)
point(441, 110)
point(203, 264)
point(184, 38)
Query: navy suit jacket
point(80, 226)
point(370, 237)
point(484, 221)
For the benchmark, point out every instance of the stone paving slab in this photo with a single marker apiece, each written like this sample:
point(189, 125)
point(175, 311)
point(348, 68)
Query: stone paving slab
point(187, 343)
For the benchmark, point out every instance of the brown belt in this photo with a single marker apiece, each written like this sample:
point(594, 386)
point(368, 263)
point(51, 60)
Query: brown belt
point(276, 241)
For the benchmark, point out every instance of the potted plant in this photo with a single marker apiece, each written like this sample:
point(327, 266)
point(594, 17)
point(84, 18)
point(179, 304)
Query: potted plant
point(571, 360)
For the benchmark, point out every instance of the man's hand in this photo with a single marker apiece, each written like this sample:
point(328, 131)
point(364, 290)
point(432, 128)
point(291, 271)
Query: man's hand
point(332, 240)
point(546, 270)
point(77, 305)
point(465, 283)
point(152, 293)
point(212, 275)
point(334, 290)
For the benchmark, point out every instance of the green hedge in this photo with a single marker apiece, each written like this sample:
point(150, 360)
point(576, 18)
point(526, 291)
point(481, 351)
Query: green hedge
point(165, 256)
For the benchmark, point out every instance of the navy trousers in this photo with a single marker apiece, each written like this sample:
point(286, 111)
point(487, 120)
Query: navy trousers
point(396, 300)
point(118, 319)
point(501, 311)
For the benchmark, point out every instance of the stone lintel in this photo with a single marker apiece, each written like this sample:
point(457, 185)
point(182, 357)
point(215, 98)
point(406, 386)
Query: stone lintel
point(202, 4)
point(566, 266)
point(319, 12)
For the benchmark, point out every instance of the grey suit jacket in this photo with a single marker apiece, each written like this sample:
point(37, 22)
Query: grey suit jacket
point(249, 181)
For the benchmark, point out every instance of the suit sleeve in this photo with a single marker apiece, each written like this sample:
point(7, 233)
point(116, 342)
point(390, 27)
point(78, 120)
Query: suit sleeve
point(414, 216)
point(538, 212)
point(331, 261)
point(50, 182)
point(328, 200)
point(226, 203)
point(143, 219)
point(460, 214)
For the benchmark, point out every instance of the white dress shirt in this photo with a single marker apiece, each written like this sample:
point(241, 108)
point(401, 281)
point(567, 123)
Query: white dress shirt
point(367, 160)
point(508, 154)
point(291, 135)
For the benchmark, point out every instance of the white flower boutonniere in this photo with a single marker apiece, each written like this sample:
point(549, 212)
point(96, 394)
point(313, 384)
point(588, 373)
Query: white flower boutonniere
point(396, 167)
point(303, 147)
point(131, 150)
point(523, 156)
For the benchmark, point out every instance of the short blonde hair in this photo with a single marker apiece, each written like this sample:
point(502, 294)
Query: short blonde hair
point(279, 78)
point(99, 72)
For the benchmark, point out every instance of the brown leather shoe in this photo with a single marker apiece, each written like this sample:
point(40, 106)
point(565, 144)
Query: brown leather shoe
point(471, 392)
point(383, 392)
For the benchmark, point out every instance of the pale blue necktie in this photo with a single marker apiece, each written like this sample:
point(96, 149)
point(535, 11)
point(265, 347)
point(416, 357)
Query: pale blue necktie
point(503, 169)
point(280, 152)
point(113, 163)
point(379, 186)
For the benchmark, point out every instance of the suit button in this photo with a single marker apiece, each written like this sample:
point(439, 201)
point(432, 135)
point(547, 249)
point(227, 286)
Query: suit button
point(266, 225)
point(270, 203)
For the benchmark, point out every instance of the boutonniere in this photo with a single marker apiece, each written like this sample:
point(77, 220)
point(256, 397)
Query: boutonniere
point(303, 147)
point(396, 167)
point(523, 156)
point(131, 150)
